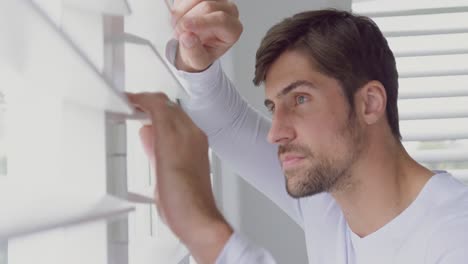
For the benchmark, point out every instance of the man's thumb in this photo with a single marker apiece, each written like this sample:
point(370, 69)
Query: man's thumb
point(193, 53)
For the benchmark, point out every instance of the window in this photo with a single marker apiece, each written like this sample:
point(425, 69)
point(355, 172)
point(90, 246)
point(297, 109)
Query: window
point(53, 197)
point(64, 159)
point(430, 42)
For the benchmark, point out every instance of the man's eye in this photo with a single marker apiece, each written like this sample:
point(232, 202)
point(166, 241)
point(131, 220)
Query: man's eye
point(300, 99)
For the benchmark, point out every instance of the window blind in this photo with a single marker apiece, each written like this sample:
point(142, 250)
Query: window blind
point(430, 43)
point(53, 181)
point(66, 167)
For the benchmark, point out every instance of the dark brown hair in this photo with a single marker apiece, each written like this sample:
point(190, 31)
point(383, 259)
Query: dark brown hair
point(346, 47)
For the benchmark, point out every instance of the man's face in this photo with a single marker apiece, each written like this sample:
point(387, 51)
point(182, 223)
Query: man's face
point(319, 137)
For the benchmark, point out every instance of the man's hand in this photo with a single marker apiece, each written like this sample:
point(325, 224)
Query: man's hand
point(206, 30)
point(178, 150)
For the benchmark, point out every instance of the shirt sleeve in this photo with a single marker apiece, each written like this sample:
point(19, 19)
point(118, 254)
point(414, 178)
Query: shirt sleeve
point(458, 255)
point(238, 250)
point(236, 132)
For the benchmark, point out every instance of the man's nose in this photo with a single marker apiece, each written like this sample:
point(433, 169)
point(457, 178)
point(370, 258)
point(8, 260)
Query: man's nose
point(281, 130)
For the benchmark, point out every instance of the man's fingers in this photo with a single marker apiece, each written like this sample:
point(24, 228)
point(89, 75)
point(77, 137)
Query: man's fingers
point(155, 104)
point(171, 124)
point(147, 101)
point(193, 8)
point(208, 7)
point(192, 47)
point(219, 24)
point(180, 8)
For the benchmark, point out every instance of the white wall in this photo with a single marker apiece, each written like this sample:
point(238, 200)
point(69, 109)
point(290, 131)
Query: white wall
point(248, 210)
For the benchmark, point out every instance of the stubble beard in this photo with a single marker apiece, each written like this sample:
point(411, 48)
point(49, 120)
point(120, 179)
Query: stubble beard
point(324, 174)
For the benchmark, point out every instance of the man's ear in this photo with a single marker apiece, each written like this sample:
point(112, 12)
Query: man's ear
point(372, 102)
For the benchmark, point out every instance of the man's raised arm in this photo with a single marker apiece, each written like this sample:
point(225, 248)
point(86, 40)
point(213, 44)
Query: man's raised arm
point(236, 132)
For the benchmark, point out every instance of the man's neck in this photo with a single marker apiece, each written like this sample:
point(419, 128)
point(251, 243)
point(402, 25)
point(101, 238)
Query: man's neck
point(383, 183)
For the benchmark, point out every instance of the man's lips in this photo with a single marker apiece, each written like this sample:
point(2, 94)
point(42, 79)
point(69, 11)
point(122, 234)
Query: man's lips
point(290, 160)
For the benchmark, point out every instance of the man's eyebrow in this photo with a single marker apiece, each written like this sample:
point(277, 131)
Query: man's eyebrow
point(289, 88)
point(295, 85)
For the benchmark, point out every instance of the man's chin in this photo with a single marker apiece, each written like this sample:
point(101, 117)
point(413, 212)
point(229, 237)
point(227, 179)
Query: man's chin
point(298, 189)
point(294, 193)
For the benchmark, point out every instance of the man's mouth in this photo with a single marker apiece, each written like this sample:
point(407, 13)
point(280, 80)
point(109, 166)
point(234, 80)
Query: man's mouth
point(290, 160)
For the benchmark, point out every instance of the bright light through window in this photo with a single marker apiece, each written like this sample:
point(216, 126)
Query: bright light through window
point(429, 41)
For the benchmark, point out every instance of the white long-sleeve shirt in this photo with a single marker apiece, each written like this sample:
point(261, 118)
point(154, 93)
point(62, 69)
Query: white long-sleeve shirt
point(432, 230)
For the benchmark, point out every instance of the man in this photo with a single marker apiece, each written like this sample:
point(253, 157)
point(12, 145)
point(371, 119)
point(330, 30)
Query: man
point(331, 86)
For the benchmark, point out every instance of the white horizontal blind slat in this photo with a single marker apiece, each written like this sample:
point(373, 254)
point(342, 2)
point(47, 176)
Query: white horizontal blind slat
point(59, 154)
point(433, 87)
point(433, 108)
point(79, 79)
point(110, 7)
point(396, 26)
point(53, 9)
point(34, 210)
point(77, 159)
point(429, 45)
point(85, 29)
point(427, 66)
point(405, 8)
point(148, 70)
point(432, 156)
point(434, 129)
